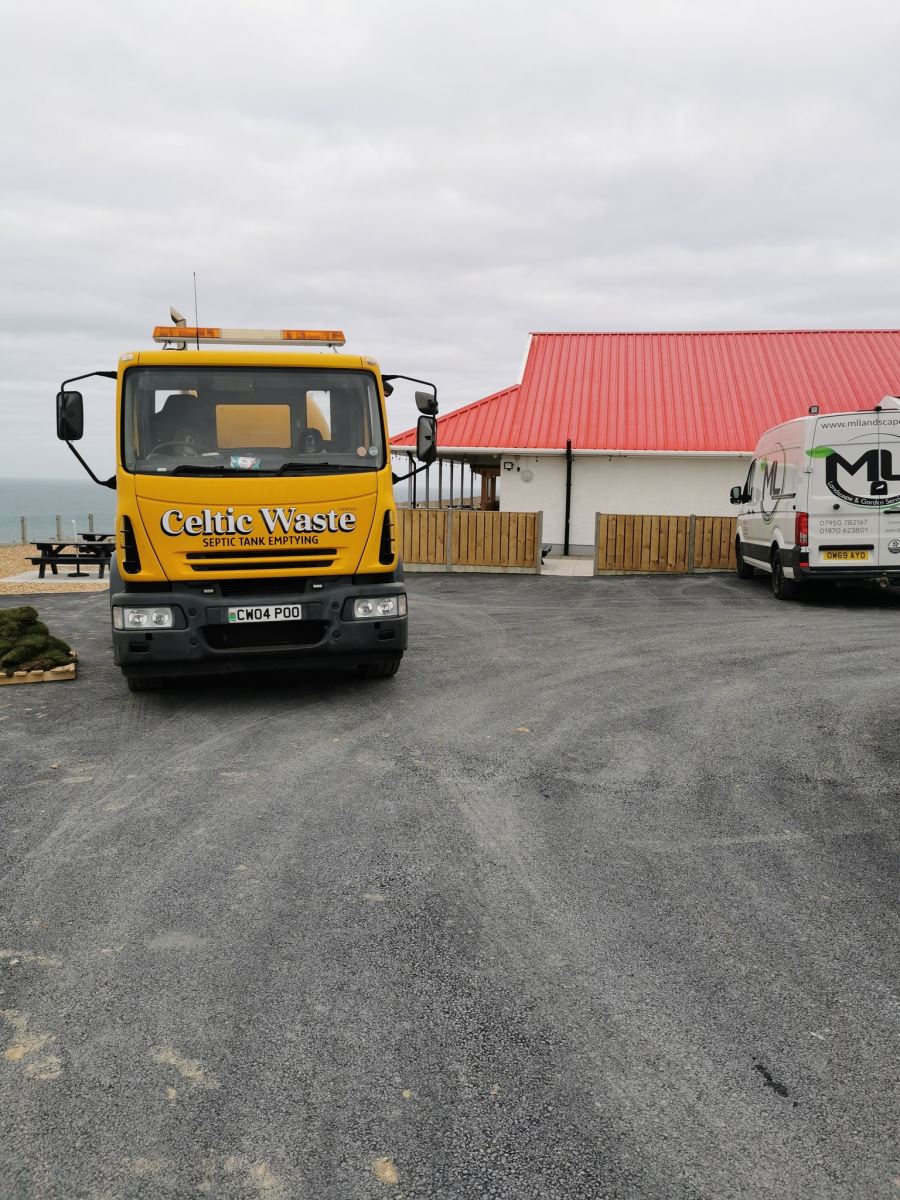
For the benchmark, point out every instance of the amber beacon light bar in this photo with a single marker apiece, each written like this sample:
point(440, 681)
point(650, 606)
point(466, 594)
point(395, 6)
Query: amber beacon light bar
point(248, 337)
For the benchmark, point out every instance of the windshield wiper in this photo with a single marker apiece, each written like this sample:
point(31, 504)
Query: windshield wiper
point(322, 466)
point(190, 469)
point(284, 469)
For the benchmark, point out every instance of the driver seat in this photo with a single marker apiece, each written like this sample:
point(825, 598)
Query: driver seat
point(185, 417)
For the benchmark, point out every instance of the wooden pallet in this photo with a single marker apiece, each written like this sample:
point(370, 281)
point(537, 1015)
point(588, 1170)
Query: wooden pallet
point(54, 675)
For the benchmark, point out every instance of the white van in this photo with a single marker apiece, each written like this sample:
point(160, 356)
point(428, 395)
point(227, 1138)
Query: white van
point(821, 501)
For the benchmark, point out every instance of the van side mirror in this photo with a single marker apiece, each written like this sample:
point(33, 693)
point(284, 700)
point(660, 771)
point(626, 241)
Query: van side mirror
point(69, 416)
point(426, 440)
point(737, 495)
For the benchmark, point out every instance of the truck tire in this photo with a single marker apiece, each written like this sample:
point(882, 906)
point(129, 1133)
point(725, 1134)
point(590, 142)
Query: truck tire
point(744, 570)
point(783, 588)
point(143, 683)
point(380, 668)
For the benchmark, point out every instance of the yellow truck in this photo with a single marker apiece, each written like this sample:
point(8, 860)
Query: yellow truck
point(256, 522)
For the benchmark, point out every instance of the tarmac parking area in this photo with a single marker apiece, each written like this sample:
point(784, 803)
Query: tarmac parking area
point(596, 898)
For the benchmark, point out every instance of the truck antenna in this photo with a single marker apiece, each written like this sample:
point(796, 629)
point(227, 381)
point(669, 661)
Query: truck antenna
point(196, 317)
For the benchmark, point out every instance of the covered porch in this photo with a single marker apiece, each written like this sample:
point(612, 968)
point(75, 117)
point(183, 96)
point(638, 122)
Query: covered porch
point(457, 479)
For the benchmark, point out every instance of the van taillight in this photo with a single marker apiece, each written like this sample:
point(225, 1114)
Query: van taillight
point(801, 529)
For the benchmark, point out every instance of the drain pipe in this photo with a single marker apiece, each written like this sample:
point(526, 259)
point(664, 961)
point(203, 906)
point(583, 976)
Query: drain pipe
point(568, 495)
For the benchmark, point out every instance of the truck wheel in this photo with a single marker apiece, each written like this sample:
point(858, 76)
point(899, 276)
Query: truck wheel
point(783, 588)
point(380, 668)
point(143, 683)
point(744, 570)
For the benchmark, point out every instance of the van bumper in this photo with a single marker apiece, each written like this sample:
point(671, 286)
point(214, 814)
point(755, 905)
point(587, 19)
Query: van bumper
point(803, 571)
point(204, 642)
point(796, 564)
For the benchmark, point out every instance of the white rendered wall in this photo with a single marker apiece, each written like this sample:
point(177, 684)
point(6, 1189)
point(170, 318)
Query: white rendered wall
point(673, 485)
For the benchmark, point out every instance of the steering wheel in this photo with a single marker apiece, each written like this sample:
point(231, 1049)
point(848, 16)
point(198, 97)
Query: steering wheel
point(194, 449)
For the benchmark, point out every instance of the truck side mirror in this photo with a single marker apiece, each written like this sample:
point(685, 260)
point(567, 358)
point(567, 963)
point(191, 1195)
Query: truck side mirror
point(737, 495)
point(426, 402)
point(69, 416)
point(426, 440)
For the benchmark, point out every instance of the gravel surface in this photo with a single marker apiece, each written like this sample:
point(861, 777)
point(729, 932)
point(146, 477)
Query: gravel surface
point(596, 898)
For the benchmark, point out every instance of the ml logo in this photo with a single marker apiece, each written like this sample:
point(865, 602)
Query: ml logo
point(774, 483)
point(872, 472)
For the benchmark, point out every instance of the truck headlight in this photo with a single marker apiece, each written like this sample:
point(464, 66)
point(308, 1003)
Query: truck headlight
point(143, 618)
point(373, 607)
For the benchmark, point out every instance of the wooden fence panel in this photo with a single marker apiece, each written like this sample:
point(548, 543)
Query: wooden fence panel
point(422, 533)
point(480, 540)
point(653, 541)
point(674, 538)
point(683, 527)
point(717, 544)
point(630, 543)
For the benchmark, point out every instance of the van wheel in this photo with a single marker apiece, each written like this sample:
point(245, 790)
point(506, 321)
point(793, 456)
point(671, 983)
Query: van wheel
point(744, 570)
point(783, 588)
point(144, 683)
point(380, 668)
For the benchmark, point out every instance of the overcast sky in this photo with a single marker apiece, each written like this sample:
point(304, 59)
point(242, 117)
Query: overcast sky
point(438, 179)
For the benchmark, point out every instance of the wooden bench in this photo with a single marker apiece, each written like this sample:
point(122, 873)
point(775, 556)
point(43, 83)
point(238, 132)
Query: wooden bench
point(53, 555)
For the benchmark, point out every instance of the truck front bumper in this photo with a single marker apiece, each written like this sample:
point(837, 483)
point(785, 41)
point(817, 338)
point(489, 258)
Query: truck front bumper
point(203, 641)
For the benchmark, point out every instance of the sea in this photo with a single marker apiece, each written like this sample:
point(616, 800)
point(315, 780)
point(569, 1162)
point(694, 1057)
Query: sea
point(40, 501)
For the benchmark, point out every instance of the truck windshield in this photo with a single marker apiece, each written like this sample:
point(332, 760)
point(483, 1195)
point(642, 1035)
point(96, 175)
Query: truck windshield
point(224, 420)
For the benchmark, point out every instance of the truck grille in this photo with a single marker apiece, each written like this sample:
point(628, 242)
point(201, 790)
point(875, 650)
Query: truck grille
point(309, 564)
point(260, 560)
point(266, 555)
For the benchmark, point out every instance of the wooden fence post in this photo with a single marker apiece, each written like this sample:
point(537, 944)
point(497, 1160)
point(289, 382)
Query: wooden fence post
point(595, 572)
point(448, 537)
point(538, 541)
point(23, 521)
point(692, 539)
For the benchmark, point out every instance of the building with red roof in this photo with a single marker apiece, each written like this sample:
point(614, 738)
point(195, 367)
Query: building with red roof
point(656, 422)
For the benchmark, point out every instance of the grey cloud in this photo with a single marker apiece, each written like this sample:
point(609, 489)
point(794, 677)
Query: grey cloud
point(438, 180)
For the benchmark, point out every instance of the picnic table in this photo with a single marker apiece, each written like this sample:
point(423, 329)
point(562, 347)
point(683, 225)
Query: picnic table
point(92, 549)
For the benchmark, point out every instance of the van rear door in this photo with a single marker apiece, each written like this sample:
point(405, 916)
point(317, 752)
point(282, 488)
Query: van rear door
point(889, 520)
point(846, 492)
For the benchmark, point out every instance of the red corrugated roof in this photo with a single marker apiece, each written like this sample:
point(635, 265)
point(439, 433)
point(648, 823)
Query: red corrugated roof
point(674, 391)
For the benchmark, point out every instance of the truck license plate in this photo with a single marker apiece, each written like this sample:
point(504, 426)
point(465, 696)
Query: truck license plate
point(265, 612)
point(845, 555)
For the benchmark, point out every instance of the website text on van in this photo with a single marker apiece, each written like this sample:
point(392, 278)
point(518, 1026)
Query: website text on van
point(256, 523)
point(821, 501)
